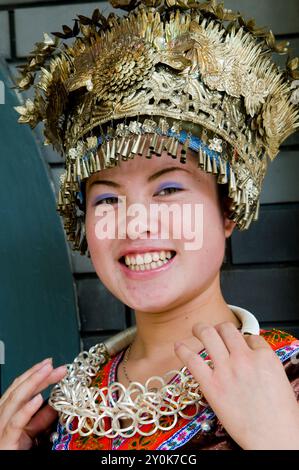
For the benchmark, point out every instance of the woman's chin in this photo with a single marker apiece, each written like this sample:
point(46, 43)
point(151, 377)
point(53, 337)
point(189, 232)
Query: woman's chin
point(150, 304)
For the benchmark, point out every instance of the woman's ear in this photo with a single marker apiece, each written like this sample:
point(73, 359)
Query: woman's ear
point(228, 224)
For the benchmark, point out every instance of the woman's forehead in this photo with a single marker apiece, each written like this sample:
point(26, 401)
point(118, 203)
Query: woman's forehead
point(146, 166)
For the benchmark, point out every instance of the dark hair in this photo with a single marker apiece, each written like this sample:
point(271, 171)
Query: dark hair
point(82, 205)
point(223, 196)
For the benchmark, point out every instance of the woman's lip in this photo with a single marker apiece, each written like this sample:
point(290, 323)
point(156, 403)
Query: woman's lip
point(145, 250)
point(146, 274)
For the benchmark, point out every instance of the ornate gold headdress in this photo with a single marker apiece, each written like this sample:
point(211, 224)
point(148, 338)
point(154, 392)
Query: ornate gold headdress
point(190, 72)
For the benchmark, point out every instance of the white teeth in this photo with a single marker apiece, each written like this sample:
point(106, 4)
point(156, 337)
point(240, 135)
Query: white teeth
point(146, 261)
point(139, 259)
point(147, 258)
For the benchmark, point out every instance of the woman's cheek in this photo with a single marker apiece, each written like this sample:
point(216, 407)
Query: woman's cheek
point(100, 224)
point(96, 246)
point(100, 248)
point(89, 228)
point(213, 234)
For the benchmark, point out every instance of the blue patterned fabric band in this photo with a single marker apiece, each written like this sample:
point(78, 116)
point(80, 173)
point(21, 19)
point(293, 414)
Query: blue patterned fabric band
point(195, 144)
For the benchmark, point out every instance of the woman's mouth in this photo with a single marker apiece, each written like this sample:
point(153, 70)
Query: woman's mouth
point(149, 261)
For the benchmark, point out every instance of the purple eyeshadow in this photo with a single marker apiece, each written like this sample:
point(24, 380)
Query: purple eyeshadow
point(169, 184)
point(103, 196)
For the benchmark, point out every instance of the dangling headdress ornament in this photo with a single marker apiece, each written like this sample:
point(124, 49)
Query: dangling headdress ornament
point(168, 71)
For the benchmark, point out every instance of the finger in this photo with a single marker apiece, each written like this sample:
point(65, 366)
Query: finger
point(198, 367)
point(213, 343)
point(15, 427)
point(231, 336)
point(55, 376)
point(23, 377)
point(23, 393)
point(31, 386)
point(41, 421)
point(256, 342)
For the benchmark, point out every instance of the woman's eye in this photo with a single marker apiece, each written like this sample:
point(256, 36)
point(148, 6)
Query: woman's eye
point(105, 200)
point(110, 199)
point(168, 189)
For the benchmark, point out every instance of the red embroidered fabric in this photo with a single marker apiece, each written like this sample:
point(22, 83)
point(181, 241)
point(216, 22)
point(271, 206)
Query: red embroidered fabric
point(187, 434)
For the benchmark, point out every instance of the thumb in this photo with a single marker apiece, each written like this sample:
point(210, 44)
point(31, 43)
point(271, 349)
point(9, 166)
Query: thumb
point(41, 421)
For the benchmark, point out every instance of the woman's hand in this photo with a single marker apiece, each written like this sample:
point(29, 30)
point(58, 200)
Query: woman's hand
point(247, 387)
point(20, 420)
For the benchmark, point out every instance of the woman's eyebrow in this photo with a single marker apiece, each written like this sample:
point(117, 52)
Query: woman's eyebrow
point(151, 178)
point(167, 170)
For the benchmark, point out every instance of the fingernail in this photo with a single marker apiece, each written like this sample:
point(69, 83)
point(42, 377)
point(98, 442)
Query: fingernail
point(61, 368)
point(177, 344)
point(49, 359)
point(36, 399)
point(46, 366)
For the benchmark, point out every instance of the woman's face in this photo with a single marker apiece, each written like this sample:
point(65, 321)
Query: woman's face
point(195, 234)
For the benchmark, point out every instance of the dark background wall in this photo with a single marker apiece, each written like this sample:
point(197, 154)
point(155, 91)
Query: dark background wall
point(38, 305)
point(261, 271)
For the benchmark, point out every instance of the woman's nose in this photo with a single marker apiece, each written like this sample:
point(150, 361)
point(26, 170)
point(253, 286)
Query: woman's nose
point(140, 221)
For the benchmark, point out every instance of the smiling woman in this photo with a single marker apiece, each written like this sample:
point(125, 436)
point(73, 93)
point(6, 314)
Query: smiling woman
point(143, 185)
point(155, 110)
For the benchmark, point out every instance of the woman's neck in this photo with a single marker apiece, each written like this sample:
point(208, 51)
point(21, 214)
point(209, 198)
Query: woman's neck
point(157, 332)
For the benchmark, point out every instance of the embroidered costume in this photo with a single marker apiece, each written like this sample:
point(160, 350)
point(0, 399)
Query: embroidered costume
point(167, 72)
point(191, 434)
